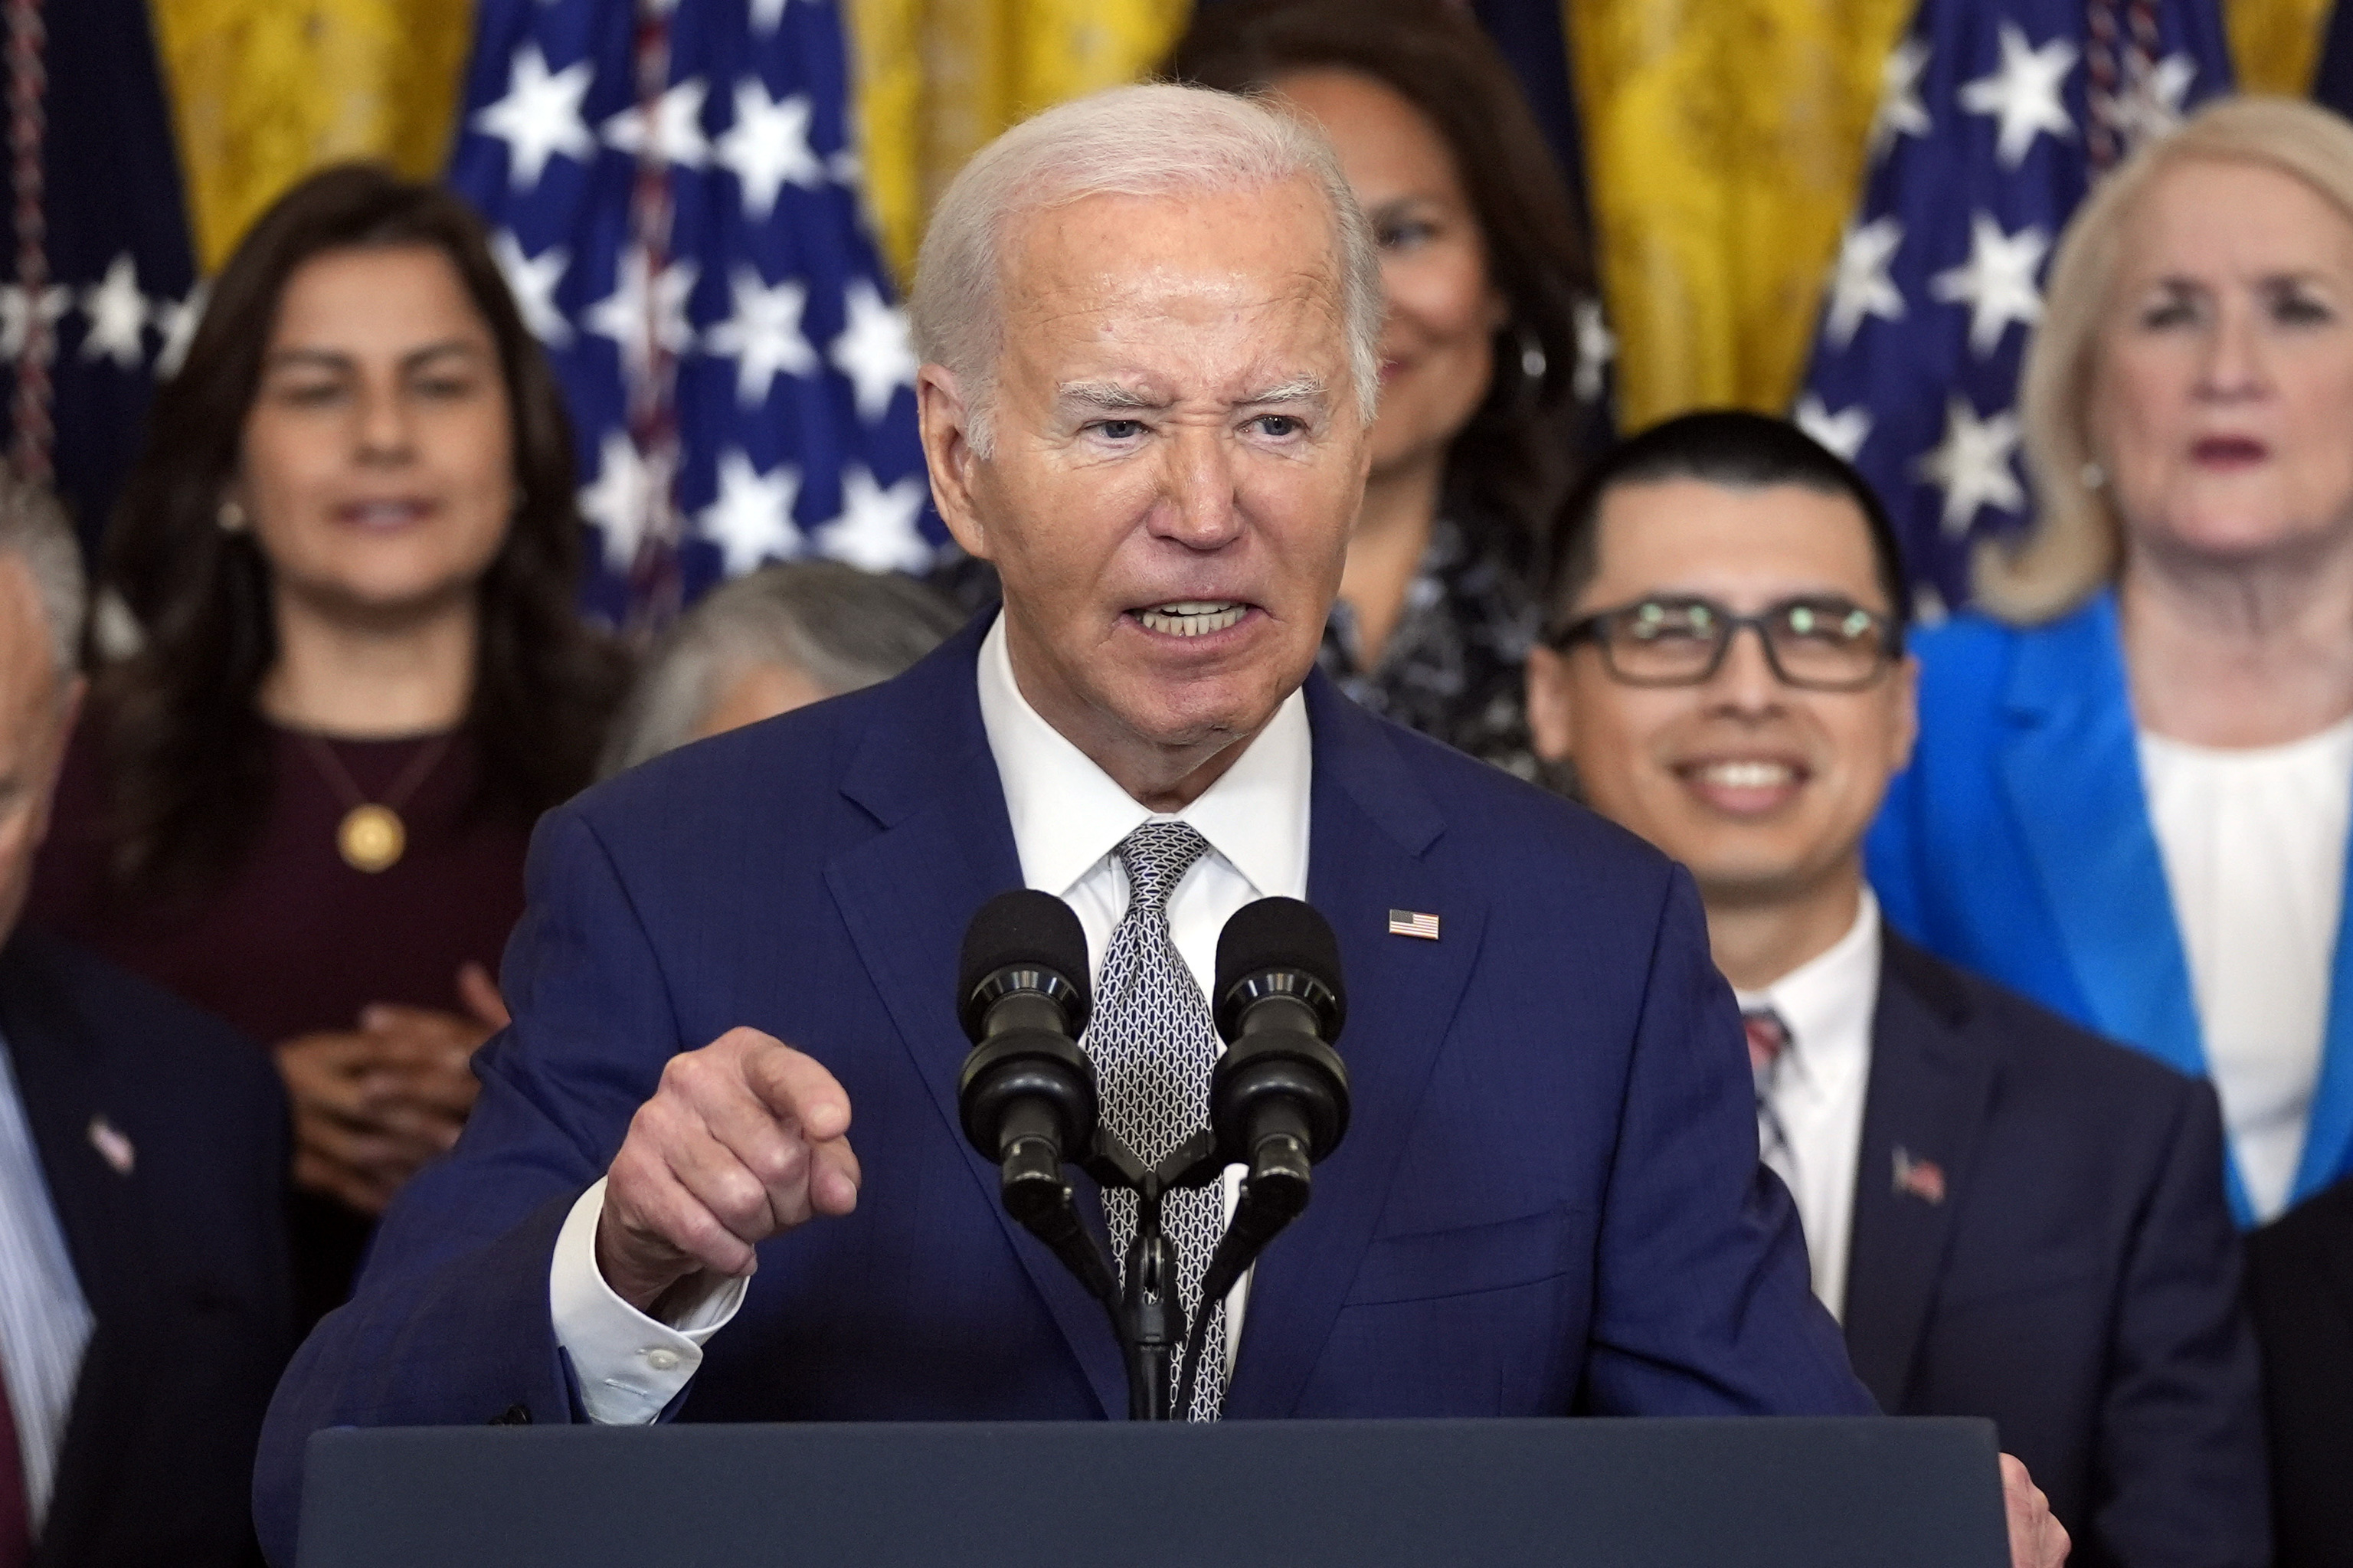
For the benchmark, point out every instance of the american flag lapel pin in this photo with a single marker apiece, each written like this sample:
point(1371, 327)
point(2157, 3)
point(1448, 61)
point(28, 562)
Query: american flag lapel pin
point(112, 1146)
point(1413, 923)
point(1921, 1178)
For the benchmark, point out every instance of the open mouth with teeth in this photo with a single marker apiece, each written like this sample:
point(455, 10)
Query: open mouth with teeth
point(1745, 785)
point(1192, 617)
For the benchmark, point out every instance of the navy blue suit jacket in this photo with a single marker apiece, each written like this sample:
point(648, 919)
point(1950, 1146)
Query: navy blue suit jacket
point(2070, 1271)
point(182, 1258)
point(1549, 1200)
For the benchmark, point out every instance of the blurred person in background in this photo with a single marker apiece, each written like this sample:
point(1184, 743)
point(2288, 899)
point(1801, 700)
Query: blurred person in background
point(350, 550)
point(1484, 406)
point(2011, 1218)
point(770, 642)
point(2134, 772)
point(144, 1310)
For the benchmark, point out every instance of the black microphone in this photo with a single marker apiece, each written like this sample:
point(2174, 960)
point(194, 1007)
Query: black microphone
point(1279, 1096)
point(1027, 1093)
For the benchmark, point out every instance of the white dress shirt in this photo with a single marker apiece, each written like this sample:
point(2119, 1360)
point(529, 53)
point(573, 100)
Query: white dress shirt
point(1067, 818)
point(1826, 1005)
point(45, 1323)
point(2254, 844)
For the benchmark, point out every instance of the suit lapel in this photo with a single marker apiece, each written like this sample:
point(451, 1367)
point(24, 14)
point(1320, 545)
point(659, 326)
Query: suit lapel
point(1370, 826)
point(926, 774)
point(2071, 765)
point(58, 1066)
point(1925, 1110)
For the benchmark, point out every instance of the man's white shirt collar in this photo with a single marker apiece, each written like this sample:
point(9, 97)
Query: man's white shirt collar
point(1068, 813)
point(1827, 1003)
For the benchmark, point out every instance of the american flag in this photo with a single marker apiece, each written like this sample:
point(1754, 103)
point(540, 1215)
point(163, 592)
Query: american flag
point(673, 189)
point(1994, 117)
point(1413, 923)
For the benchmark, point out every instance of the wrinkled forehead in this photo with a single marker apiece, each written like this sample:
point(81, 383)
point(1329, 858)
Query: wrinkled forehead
point(1195, 276)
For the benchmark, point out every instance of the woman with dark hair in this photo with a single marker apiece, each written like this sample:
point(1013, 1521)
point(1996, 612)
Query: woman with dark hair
point(1485, 407)
point(349, 553)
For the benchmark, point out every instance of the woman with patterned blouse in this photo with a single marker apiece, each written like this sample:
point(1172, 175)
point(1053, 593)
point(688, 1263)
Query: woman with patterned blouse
point(1485, 402)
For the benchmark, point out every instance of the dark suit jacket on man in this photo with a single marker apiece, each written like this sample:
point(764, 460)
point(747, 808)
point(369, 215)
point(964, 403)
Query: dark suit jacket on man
point(2041, 1236)
point(2300, 1279)
point(182, 1258)
point(1548, 1199)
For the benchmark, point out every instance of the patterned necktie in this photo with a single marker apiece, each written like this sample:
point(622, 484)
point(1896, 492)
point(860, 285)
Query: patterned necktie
point(1154, 1045)
point(1769, 1046)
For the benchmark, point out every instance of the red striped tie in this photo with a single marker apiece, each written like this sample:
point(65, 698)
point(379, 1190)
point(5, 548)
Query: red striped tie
point(1768, 1038)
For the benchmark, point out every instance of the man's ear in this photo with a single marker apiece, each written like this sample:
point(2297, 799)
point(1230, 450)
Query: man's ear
point(1552, 711)
point(946, 426)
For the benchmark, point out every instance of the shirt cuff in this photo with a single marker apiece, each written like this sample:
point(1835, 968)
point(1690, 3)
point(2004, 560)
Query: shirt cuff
point(629, 1366)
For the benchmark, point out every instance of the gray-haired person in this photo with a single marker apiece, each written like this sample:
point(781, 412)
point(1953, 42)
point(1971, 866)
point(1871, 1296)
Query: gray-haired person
point(770, 642)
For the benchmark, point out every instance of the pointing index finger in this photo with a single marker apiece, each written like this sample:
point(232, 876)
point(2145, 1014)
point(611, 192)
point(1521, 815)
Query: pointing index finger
point(798, 1089)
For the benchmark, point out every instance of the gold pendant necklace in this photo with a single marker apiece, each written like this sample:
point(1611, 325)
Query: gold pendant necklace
point(371, 838)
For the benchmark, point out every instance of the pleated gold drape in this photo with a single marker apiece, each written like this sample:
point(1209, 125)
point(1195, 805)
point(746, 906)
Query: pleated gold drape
point(1724, 145)
point(938, 79)
point(263, 93)
point(1723, 137)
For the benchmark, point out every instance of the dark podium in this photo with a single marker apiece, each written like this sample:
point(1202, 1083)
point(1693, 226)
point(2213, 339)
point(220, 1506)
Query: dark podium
point(1752, 1493)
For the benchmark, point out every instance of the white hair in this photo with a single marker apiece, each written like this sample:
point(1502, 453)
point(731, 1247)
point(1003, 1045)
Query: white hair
point(1155, 139)
point(34, 530)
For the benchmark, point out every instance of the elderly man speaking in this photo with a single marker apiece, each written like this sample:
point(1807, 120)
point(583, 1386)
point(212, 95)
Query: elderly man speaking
point(1149, 320)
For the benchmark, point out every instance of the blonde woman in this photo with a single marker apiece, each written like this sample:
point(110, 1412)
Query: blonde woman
point(2131, 792)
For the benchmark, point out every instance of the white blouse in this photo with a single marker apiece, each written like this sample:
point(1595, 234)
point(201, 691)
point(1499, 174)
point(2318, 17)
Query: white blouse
point(2253, 843)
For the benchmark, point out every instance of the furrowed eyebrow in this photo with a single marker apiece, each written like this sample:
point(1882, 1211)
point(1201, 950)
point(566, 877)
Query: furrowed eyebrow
point(1299, 389)
point(1107, 397)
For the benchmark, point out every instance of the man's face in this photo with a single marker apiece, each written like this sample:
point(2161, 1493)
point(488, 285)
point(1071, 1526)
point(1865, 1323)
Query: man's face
point(1177, 457)
point(1763, 789)
point(36, 713)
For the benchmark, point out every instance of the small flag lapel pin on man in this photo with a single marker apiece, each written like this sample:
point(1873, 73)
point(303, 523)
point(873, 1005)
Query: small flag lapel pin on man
point(1922, 1178)
point(1413, 923)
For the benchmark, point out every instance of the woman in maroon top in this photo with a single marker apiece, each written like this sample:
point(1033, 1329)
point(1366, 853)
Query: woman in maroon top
point(349, 552)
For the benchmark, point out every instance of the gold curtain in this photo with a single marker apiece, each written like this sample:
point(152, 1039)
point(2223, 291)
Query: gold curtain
point(1725, 147)
point(261, 95)
point(1723, 143)
point(937, 79)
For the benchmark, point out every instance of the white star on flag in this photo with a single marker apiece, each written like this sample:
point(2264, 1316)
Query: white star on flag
point(178, 321)
point(751, 520)
point(540, 116)
point(2025, 93)
point(767, 14)
point(1860, 285)
point(1996, 282)
point(2150, 104)
point(16, 315)
point(763, 336)
point(644, 310)
point(876, 531)
point(873, 350)
point(677, 135)
point(1900, 112)
point(117, 315)
point(1843, 432)
point(1973, 465)
point(767, 146)
point(533, 280)
point(622, 501)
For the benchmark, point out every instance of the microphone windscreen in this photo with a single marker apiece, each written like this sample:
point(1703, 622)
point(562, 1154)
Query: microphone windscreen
point(1279, 934)
point(1026, 928)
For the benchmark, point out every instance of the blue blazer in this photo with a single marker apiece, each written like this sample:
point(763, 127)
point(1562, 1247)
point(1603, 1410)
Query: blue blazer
point(1548, 1201)
point(2018, 844)
point(182, 1256)
point(2073, 1272)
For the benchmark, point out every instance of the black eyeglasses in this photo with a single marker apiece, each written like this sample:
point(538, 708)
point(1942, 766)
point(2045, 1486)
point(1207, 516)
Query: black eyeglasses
point(1819, 644)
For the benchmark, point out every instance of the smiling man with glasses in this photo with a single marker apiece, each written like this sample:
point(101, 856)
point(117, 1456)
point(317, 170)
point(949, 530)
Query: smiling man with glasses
point(2011, 1218)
